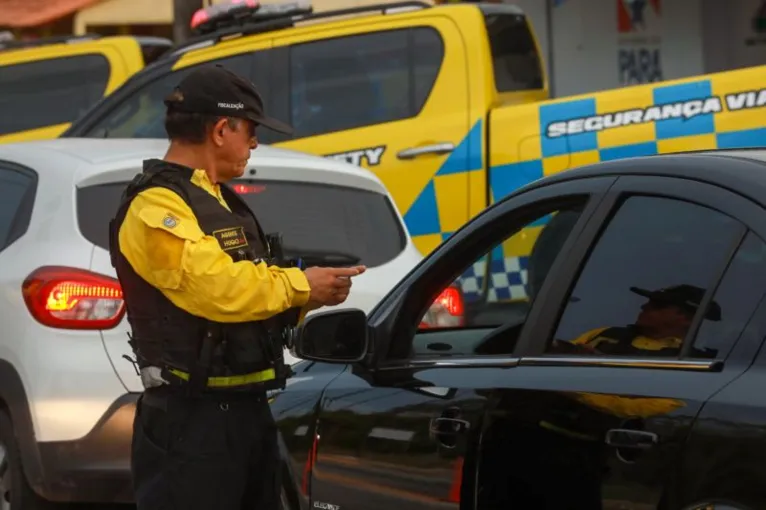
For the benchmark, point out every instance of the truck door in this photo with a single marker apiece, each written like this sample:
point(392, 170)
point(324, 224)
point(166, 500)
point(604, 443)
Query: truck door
point(391, 97)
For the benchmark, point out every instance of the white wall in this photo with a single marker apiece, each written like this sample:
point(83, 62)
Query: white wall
point(729, 39)
point(587, 43)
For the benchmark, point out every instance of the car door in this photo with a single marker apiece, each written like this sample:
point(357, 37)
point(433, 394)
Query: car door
point(391, 97)
point(604, 430)
point(406, 434)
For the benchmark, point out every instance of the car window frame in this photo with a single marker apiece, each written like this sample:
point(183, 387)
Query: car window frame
point(740, 208)
point(394, 321)
point(283, 99)
point(22, 218)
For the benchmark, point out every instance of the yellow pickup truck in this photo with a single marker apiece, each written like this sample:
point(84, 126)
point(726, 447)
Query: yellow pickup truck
point(447, 104)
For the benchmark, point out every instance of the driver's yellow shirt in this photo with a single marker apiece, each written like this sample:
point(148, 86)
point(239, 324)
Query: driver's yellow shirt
point(192, 270)
point(593, 338)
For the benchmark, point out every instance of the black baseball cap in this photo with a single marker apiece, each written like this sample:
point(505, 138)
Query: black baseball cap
point(215, 90)
point(684, 296)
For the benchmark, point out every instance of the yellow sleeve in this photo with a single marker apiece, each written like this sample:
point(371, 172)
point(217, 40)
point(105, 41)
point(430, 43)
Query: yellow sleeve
point(165, 245)
point(588, 336)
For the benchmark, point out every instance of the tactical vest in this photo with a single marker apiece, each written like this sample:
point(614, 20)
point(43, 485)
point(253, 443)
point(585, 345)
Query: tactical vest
point(166, 336)
point(618, 341)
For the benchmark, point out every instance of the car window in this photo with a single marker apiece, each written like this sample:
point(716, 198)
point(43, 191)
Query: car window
point(17, 191)
point(334, 225)
point(355, 81)
point(496, 290)
point(645, 279)
point(737, 296)
point(50, 91)
point(142, 113)
point(515, 59)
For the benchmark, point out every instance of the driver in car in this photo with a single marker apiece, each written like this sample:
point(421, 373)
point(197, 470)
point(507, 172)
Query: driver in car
point(659, 329)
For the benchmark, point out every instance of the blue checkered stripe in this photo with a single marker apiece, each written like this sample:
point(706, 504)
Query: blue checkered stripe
point(507, 279)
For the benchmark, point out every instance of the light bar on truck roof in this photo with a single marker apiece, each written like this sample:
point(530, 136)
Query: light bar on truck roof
point(240, 12)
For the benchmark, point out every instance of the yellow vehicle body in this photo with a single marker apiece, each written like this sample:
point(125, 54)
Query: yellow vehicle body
point(527, 142)
point(480, 133)
point(33, 74)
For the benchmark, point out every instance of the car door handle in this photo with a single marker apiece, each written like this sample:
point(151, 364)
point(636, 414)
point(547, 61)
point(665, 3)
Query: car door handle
point(449, 426)
point(627, 438)
point(436, 148)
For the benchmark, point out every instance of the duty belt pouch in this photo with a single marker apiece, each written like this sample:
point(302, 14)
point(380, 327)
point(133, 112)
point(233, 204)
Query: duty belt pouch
point(199, 370)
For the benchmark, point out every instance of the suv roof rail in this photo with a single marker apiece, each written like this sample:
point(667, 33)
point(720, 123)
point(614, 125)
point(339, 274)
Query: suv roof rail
point(14, 44)
point(242, 25)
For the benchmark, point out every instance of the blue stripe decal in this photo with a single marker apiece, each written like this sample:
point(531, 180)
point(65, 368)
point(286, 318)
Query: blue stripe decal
point(697, 125)
point(467, 155)
point(505, 179)
point(561, 112)
point(423, 216)
point(740, 139)
point(629, 151)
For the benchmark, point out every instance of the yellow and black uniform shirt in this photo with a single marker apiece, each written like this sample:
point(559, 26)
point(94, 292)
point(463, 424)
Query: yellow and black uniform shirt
point(165, 245)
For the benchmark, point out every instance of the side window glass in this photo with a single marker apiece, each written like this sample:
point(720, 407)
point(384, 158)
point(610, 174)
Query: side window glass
point(16, 196)
point(495, 291)
point(734, 302)
point(645, 280)
point(360, 80)
point(142, 114)
point(515, 59)
point(50, 91)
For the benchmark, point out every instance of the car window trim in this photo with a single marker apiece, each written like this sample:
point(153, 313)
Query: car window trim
point(462, 361)
point(626, 362)
point(388, 318)
point(699, 317)
point(714, 197)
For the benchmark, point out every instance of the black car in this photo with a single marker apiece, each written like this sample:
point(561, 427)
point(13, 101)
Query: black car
point(632, 378)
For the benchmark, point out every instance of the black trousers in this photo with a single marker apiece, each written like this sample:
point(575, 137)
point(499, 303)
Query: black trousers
point(202, 453)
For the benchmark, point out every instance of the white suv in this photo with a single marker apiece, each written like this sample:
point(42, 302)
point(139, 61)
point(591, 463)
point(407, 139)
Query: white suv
point(67, 394)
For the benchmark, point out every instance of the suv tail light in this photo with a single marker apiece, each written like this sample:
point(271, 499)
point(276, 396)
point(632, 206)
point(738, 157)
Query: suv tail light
point(446, 311)
point(71, 298)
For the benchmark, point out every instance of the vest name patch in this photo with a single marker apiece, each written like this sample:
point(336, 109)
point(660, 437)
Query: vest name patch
point(231, 238)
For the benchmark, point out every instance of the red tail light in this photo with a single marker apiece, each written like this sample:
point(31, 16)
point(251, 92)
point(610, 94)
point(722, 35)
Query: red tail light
point(446, 311)
point(247, 189)
point(70, 298)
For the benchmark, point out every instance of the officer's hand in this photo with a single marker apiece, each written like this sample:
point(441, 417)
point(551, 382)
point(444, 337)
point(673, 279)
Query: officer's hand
point(331, 285)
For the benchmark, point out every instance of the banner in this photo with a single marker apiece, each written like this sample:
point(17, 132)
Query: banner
point(639, 41)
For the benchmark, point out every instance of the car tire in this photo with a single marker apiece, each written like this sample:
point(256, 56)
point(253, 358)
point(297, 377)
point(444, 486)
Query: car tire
point(15, 492)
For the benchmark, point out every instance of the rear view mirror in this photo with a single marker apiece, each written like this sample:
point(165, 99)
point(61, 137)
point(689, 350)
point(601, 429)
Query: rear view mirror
point(338, 336)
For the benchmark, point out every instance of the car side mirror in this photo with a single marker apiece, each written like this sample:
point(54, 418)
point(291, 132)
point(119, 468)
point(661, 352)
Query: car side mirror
point(338, 336)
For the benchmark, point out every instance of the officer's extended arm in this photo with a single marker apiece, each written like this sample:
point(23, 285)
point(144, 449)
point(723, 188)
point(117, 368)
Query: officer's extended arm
point(192, 270)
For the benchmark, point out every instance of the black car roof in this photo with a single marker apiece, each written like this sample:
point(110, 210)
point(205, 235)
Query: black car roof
point(740, 170)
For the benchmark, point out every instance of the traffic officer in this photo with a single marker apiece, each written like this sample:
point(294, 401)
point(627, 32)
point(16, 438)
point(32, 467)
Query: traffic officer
point(208, 306)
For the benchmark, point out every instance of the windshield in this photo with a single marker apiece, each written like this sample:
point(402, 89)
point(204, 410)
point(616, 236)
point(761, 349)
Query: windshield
point(325, 224)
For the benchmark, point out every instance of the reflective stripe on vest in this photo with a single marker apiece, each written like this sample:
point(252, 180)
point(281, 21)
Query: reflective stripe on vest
point(233, 380)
